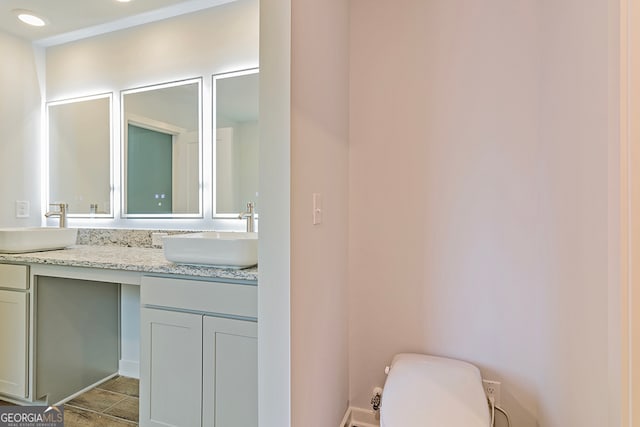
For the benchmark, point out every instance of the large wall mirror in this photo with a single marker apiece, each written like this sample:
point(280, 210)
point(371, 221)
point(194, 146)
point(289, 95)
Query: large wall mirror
point(79, 155)
point(162, 150)
point(237, 137)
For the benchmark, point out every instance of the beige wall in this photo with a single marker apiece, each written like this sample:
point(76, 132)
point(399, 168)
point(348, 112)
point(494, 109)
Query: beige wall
point(478, 197)
point(20, 131)
point(210, 41)
point(618, 357)
point(319, 164)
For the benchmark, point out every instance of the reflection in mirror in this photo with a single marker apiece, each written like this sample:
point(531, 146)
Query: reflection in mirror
point(79, 147)
point(162, 150)
point(236, 152)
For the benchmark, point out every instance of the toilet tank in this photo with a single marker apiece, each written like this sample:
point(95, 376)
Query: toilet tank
point(433, 391)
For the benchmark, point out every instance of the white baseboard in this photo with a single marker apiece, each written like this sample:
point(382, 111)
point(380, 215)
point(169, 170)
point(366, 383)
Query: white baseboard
point(129, 368)
point(358, 417)
point(78, 393)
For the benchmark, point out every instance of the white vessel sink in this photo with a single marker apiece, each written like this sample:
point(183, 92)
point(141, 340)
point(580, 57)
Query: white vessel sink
point(216, 248)
point(15, 240)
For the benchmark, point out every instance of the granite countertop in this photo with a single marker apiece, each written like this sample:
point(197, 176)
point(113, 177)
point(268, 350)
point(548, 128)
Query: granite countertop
point(146, 260)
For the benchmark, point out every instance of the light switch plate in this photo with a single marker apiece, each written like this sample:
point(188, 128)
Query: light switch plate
point(317, 208)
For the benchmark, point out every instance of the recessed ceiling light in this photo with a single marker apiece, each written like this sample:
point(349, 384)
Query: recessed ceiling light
point(30, 18)
point(123, 1)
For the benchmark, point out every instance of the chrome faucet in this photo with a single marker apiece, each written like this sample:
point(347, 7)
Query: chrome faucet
point(250, 216)
point(60, 213)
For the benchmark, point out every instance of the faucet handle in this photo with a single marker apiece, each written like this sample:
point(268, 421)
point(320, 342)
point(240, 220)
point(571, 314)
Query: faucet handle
point(61, 212)
point(62, 207)
point(250, 216)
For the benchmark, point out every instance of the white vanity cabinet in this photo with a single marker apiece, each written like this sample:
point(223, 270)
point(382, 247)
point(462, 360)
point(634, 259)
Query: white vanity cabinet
point(198, 364)
point(14, 329)
point(171, 368)
point(229, 373)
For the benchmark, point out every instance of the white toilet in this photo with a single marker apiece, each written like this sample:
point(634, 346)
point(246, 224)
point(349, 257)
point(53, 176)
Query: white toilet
point(430, 391)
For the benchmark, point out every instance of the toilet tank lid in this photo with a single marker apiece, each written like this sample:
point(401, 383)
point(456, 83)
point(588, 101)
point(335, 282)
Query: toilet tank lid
point(433, 391)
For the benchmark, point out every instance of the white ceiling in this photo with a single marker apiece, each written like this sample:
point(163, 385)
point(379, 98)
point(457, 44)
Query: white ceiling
point(71, 20)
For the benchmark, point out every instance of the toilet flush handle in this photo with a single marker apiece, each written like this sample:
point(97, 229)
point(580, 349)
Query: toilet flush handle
point(386, 370)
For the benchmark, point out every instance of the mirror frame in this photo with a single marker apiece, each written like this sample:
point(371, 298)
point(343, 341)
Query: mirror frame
point(214, 127)
point(124, 121)
point(47, 158)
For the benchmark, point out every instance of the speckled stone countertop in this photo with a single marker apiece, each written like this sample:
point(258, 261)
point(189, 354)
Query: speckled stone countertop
point(146, 260)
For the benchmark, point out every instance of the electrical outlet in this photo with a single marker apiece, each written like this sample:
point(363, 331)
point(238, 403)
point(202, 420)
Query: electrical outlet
point(492, 388)
point(376, 400)
point(22, 209)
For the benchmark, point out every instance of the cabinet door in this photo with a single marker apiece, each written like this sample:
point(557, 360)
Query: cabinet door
point(230, 373)
point(13, 343)
point(170, 368)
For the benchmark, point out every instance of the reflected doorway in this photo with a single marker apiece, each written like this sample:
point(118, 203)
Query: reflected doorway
point(149, 166)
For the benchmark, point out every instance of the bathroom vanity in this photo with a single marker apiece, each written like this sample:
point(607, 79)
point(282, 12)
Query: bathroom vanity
point(73, 318)
point(177, 148)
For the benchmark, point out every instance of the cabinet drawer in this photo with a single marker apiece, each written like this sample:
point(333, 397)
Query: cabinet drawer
point(14, 276)
point(206, 297)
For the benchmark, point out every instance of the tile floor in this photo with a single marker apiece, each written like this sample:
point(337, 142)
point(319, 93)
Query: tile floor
point(111, 404)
